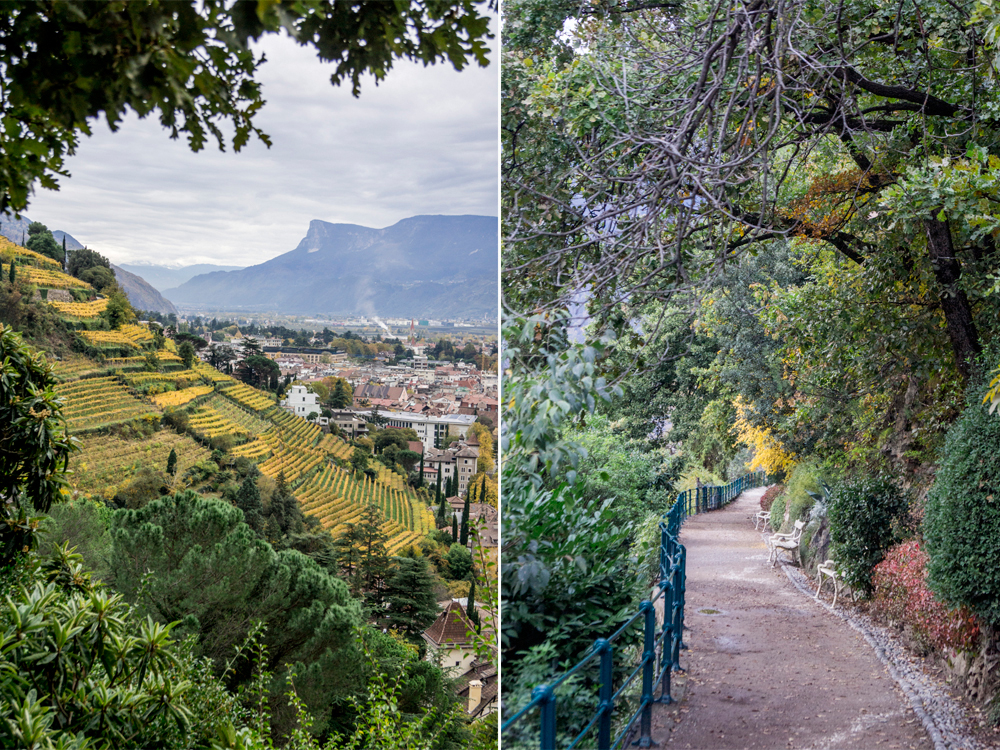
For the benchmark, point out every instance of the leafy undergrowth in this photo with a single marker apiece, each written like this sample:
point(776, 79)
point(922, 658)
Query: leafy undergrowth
point(901, 594)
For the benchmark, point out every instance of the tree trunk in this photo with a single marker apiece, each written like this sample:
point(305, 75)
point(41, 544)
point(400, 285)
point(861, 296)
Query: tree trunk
point(957, 311)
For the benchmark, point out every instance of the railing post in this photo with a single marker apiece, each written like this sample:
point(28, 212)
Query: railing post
point(681, 593)
point(664, 557)
point(606, 650)
point(547, 710)
point(666, 640)
point(648, 667)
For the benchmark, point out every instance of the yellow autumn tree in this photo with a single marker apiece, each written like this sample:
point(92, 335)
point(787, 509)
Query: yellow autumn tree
point(769, 453)
point(476, 485)
point(485, 462)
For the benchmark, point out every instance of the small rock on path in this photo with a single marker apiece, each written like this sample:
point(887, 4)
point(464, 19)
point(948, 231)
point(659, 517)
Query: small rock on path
point(772, 669)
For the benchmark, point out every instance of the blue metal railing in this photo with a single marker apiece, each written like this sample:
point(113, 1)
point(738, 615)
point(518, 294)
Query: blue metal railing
point(660, 651)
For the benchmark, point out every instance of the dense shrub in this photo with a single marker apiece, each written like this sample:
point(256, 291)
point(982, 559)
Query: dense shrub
point(769, 496)
point(806, 477)
point(962, 517)
point(862, 513)
point(777, 512)
point(640, 475)
point(82, 669)
point(901, 593)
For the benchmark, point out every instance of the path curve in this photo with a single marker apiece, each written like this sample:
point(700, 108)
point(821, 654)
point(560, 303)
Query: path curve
point(768, 667)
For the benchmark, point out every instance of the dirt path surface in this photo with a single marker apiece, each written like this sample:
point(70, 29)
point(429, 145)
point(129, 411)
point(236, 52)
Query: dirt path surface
point(771, 668)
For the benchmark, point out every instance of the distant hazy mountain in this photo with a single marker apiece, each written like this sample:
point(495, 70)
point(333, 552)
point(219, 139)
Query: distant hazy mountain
point(440, 266)
point(162, 277)
point(139, 292)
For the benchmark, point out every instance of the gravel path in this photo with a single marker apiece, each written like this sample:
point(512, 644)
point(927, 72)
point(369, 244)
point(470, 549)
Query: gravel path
point(769, 667)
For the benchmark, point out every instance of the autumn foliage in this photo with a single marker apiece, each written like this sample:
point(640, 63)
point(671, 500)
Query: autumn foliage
point(901, 594)
point(769, 453)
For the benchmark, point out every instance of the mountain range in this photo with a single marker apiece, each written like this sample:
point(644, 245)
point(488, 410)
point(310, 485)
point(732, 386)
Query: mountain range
point(440, 266)
point(165, 277)
point(424, 266)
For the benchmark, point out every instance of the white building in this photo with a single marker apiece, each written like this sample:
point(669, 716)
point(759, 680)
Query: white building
point(301, 402)
point(429, 428)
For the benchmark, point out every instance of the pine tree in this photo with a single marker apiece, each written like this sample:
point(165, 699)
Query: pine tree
point(409, 593)
point(454, 529)
point(172, 462)
point(464, 540)
point(248, 500)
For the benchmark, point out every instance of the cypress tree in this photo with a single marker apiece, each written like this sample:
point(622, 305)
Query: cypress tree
point(454, 529)
point(470, 609)
point(172, 462)
point(11, 270)
point(464, 539)
point(482, 491)
point(437, 490)
point(65, 256)
point(421, 484)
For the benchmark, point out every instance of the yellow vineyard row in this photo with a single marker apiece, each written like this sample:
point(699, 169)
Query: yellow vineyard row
point(179, 398)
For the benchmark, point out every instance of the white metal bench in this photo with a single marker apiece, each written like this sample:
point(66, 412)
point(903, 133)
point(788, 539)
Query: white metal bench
point(759, 517)
point(787, 542)
point(829, 569)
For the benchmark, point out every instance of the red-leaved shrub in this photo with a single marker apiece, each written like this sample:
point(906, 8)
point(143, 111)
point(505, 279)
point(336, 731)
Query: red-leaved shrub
point(901, 594)
point(770, 495)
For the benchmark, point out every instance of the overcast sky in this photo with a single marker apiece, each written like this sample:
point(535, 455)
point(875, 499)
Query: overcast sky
point(424, 141)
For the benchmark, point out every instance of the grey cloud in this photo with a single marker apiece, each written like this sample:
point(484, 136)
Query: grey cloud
point(423, 141)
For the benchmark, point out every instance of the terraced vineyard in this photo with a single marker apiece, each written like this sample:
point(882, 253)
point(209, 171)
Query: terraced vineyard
point(138, 335)
point(108, 339)
point(292, 460)
point(107, 461)
point(95, 403)
point(208, 372)
point(337, 499)
point(181, 397)
point(335, 447)
point(217, 405)
point(137, 379)
point(80, 310)
point(249, 422)
point(48, 278)
point(246, 396)
point(255, 449)
point(75, 366)
point(295, 430)
point(28, 257)
point(123, 363)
